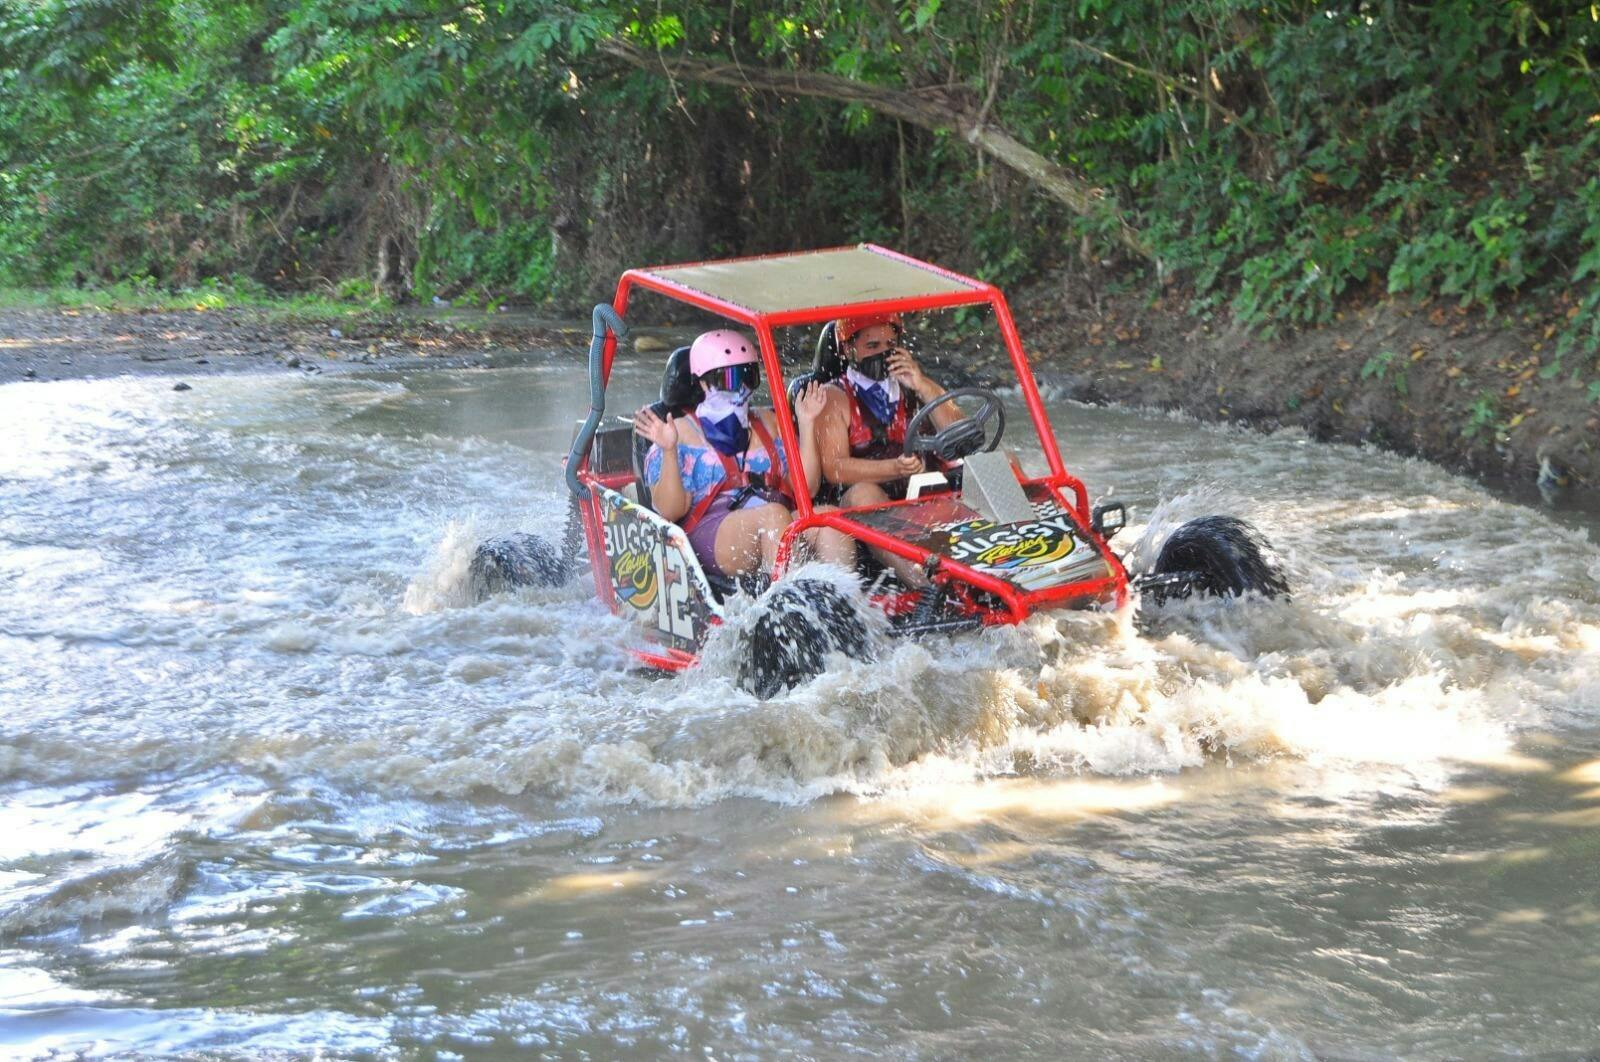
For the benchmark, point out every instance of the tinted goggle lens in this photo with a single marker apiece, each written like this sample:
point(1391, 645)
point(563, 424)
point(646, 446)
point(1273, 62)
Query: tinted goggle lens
point(732, 377)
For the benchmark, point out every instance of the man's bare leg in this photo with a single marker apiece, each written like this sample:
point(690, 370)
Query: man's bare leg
point(907, 571)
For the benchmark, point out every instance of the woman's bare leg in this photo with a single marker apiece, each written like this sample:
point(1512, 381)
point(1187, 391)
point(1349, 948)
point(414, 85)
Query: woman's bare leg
point(829, 545)
point(750, 537)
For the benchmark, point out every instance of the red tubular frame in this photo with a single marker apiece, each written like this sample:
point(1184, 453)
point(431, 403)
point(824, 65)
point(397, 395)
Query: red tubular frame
point(1018, 603)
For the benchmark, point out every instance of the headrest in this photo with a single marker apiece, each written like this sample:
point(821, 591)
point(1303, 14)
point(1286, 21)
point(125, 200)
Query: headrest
point(828, 364)
point(680, 391)
point(798, 384)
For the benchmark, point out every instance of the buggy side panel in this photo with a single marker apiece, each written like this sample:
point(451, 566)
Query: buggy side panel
point(655, 577)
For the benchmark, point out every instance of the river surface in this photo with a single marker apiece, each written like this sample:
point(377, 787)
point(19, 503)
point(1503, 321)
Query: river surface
point(269, 784)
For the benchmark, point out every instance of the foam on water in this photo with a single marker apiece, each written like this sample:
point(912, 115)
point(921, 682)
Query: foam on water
point(324, 629)
point(256, 735)
point(443, 581)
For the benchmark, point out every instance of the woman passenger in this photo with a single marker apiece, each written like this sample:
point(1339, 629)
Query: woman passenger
point(712, 472)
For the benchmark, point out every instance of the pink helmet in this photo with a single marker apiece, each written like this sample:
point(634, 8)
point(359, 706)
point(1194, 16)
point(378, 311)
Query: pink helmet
point(719, 349)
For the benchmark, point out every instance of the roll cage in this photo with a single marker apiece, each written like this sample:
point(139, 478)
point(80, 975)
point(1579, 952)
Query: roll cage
point(766, 292)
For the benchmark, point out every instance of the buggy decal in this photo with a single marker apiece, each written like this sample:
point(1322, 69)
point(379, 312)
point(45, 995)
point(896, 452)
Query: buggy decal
point(655, 573)
point(1049, 550)
point(984, 544)
point(631, 545)
point(1032, 555)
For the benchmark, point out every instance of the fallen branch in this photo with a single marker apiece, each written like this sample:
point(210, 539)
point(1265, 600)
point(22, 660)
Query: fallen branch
point(936, 109)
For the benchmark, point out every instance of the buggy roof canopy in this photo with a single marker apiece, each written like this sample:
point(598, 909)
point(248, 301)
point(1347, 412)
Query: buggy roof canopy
point(811, 286)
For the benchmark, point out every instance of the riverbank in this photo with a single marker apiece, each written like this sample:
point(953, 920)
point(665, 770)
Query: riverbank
point(64, 344)
point(1423, 380)
point(1426, 380)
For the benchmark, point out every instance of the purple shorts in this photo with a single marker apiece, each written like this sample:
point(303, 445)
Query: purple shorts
point(703, 539)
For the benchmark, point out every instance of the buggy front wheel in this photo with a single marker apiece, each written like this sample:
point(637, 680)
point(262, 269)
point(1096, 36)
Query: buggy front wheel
point(1222, 556)
point(798, 623)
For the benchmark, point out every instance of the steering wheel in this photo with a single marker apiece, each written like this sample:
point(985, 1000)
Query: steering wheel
point(966, 436)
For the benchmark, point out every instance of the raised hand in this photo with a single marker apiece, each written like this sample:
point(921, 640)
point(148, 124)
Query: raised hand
point(664, 433)
point(904, 368)
point(812, 401)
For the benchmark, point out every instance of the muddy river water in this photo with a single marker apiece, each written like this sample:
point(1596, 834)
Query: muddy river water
point(267, 784)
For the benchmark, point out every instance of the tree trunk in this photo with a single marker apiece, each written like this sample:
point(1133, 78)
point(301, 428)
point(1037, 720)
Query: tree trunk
point(936, 109)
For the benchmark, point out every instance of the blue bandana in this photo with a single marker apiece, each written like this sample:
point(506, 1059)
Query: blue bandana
point(725, 419)
point(881, 397)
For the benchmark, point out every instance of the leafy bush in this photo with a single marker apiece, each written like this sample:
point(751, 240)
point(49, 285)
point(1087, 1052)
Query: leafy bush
point(1276, 158)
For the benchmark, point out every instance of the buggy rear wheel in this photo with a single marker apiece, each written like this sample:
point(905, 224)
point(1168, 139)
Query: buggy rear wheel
point(515, 560)
point(798, 623)
point(1218, 555)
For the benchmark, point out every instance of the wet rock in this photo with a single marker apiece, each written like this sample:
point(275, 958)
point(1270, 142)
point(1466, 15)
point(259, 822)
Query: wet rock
point(335, 333)
point(1555, 478)
point(650, 345)
point(293, 361)
point(181, 386)
point(202, 361)
point(28, 374)
point(1556, 474)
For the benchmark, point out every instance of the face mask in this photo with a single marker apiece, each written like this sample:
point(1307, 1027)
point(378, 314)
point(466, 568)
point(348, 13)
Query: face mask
point(725, 419)
point(880, 397)
point(873, 368)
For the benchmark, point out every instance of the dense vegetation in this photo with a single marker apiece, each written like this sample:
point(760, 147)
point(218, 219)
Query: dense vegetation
point(1268, 159)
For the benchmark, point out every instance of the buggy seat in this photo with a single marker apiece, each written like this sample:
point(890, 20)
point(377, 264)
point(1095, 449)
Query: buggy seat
point(680, 394)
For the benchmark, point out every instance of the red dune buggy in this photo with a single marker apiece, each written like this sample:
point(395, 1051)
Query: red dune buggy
point(994, 543)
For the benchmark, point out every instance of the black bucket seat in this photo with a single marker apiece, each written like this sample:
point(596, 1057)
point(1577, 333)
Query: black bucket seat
point(827, 364)
point(680, 394)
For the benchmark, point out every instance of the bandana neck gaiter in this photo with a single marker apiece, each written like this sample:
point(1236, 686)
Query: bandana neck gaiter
point(880, 396)
point(725, 418)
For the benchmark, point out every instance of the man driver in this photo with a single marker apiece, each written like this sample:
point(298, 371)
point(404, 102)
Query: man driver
point(861, 433)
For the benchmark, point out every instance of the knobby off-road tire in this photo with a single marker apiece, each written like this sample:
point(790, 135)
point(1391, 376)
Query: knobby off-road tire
point(1226, 557)
point(515, 560)
point(798, 623)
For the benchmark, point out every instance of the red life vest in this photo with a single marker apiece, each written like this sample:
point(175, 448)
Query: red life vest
point(733, 476)
point(870, 438)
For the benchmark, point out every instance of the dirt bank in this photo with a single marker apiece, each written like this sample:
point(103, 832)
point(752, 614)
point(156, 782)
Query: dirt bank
point(73, 344)
point(1430, 381)
point(1433, 381)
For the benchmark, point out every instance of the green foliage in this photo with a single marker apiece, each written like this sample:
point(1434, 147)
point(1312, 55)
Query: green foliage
point(1278, 159)
point(1583, 331)
point(1377, 365)
point(1381, 365)
point(148, 141)
point(1480, 254)
point(1481, 415)
point(215, 293)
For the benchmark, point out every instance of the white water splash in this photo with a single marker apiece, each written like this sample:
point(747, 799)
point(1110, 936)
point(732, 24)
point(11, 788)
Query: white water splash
point(444, 581)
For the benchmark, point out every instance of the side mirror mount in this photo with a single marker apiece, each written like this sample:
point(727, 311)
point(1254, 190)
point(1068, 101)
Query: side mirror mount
point(1108, 519)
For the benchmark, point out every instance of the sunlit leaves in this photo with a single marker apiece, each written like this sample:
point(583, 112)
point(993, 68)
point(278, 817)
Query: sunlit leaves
point(920, 14)
point(1279, 156)
point(662, 31)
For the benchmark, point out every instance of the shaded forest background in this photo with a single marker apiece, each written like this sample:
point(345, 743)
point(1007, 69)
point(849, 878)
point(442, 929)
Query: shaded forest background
point(1267, 161)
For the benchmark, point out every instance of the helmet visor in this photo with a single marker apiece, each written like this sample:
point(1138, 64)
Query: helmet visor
point(732, 377)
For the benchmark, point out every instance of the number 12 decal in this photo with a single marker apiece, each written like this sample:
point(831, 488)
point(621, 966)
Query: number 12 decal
point(672, 603)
